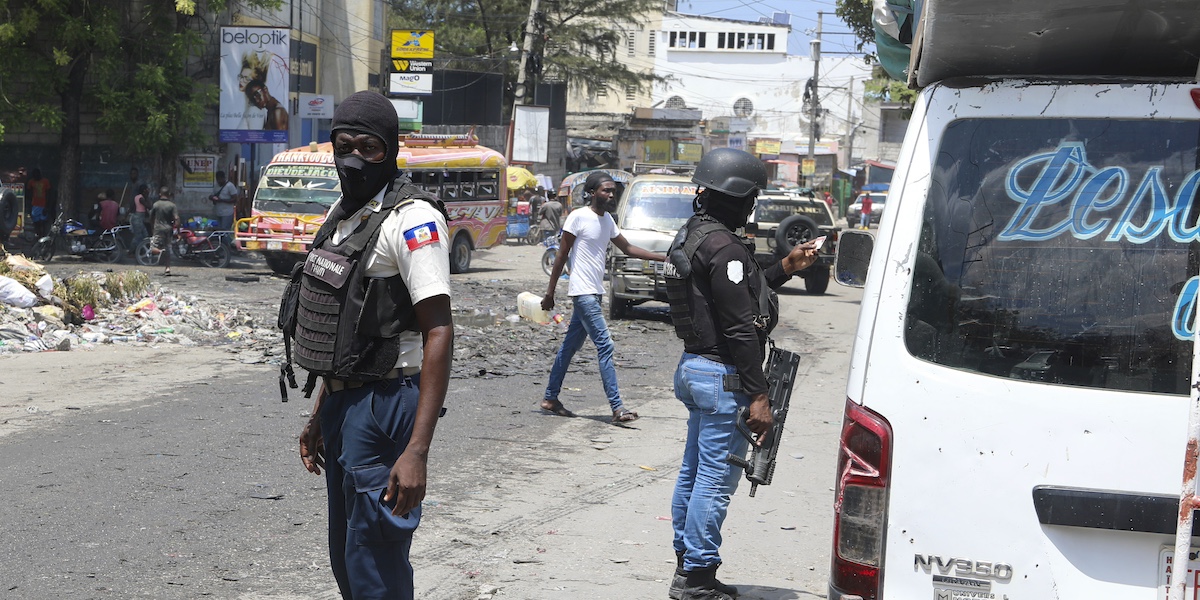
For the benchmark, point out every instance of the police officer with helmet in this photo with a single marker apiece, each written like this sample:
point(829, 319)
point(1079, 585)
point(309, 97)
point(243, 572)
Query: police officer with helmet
point(723, 307)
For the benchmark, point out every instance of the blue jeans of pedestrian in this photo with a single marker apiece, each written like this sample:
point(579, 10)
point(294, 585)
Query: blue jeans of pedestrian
point(706, 481)
point(365, 429)
point(587, 321)
point(225, 223)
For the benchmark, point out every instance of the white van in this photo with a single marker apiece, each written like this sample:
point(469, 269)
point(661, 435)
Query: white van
point(1017, 403)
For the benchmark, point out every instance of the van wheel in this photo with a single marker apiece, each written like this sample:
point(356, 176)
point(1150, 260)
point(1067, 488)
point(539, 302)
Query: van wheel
point(794, 230)
point(817, 282)
point(460, 255)
point(618, 308)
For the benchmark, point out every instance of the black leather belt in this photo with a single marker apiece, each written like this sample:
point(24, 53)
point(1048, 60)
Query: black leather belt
point(337, 385)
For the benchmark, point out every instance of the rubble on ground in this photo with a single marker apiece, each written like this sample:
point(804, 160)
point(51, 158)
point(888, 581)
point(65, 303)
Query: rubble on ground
point(90, 309)
point(93, 309)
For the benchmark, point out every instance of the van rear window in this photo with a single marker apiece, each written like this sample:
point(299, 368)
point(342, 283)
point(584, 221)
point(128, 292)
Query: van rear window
point(1062, 251)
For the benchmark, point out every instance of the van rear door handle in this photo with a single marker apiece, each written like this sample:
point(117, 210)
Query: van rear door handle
point(1107, 509)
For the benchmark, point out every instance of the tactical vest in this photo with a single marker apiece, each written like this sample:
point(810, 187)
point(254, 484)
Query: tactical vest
point(679, 283)
point(346, 325)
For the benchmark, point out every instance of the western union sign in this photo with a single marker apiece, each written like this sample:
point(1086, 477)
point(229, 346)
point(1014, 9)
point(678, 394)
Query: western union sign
point(412, 43)
point(403, 65)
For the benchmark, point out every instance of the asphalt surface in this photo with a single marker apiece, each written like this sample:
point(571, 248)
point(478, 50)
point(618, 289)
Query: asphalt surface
point(178, 476)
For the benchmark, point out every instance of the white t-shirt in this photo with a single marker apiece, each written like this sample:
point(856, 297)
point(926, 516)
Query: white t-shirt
point(228, 195)
point(592, 233)
point(413, 243)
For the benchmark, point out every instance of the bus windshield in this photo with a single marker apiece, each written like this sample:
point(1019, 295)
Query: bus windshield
point(303, 189)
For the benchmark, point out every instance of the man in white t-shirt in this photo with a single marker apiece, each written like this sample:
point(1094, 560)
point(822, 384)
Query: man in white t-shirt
point(224, 198)
point(585, 238)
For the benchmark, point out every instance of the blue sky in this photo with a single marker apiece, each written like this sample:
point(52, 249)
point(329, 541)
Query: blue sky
point(804, 19)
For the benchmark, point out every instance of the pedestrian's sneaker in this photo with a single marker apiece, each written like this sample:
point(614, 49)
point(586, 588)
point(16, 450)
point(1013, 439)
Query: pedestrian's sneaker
point(700, 584)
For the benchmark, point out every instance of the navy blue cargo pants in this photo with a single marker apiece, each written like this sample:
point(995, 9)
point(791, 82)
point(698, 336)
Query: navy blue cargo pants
point(365, 429)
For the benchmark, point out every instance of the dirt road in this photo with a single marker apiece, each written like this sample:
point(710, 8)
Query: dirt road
point(168, 472)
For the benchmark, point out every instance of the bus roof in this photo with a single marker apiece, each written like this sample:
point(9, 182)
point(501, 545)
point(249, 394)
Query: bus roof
point(414, 153)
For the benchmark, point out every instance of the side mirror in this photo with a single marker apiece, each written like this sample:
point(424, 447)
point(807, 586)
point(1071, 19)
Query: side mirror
point(853, 257)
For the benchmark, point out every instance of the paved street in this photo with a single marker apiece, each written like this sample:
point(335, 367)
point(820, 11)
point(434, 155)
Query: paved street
point(171, 472)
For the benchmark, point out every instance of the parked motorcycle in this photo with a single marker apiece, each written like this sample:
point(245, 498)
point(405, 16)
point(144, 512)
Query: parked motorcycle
point(76, 239)
point(551, 253)
point(211, 250)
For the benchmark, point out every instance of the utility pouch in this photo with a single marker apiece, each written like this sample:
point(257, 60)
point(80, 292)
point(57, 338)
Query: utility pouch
point(732, 382)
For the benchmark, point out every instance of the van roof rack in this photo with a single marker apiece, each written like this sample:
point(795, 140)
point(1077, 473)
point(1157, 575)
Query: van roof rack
point(641, 168)
point(440, 139)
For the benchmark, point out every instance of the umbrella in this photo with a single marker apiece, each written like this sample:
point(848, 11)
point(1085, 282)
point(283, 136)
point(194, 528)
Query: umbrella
point(520, 177)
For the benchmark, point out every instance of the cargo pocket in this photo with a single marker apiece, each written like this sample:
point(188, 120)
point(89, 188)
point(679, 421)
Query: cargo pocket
point(371, 520)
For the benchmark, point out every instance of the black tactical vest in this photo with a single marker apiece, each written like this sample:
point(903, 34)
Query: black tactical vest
point(679, 283)
point(347, 325)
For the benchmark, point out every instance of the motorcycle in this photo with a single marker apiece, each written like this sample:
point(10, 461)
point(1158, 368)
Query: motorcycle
point(80, 241)
point(211, 250)
point(551, 253)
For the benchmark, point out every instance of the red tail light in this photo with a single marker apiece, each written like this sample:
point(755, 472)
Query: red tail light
point(860, 510)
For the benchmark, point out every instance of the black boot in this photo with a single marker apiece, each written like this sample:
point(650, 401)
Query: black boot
point(679, 580)
point(702, 584)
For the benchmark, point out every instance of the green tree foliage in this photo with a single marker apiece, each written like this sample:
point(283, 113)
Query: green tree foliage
point(130, 61)
point(856, 14)
point(576, 42)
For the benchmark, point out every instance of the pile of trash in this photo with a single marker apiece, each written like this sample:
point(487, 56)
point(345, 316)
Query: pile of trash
point(39, 313)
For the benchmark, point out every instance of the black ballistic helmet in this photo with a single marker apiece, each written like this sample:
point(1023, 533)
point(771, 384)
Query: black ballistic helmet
point(731, 172)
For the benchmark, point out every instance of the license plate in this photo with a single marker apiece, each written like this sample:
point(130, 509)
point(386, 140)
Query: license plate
point(274, 245)
point(1166, 562)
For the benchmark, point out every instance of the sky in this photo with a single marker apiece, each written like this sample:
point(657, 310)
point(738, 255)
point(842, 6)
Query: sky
point(836, 36)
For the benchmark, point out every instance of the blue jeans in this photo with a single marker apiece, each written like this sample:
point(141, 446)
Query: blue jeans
point(225, 223)
point(587, 321)
point(706, 481)
point(365, 430)
point(864, 219)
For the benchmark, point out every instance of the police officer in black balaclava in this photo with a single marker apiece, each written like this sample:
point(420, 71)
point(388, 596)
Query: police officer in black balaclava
point(374, 322)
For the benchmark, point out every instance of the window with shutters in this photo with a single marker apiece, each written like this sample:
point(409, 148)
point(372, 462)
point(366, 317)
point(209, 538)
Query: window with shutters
point(631, 92)
point(631, 43)
point(650, 41)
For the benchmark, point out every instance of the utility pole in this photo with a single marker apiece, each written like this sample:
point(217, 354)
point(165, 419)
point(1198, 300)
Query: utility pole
point(519, 92)
point(850, 127)
point(814, 103)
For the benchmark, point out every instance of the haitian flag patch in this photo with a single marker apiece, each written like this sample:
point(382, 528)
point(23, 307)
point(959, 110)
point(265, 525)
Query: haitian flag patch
point(421, 235)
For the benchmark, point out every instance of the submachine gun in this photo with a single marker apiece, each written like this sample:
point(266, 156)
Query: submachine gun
point(781, 375)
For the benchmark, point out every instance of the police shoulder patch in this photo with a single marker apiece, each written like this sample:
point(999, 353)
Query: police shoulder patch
point(735, 271)
point(421, 235)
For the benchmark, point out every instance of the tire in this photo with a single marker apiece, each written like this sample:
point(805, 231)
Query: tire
point(817, 282)
point(618, 308)
point(460, 254)
point(9, 211)
point(794, 230)
point(43, 250)
point(534, 237)
point(281, 263)
point(108, 249)
point(143, 256)
point(218, 257)
point(548, 260)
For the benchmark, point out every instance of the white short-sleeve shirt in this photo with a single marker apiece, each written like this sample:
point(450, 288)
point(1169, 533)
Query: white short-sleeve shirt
point(592, 233)
point(413, 243)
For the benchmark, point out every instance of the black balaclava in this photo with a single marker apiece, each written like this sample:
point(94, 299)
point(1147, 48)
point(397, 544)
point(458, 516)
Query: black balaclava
point(732, 211)
point(365, 112)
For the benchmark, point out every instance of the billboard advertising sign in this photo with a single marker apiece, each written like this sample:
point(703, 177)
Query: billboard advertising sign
point(316, 106)
point(412, 43)
point(255, 79)
point(410, 84)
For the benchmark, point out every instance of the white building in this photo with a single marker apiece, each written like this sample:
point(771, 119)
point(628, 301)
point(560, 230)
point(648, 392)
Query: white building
point(738, 79)
point(739, 73)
